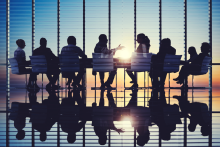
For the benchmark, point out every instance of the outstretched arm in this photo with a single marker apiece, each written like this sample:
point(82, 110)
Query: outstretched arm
point(117, 130)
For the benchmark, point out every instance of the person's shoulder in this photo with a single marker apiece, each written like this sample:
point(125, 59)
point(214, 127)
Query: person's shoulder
point(65, 46)
point(172, 48)
point(48, 49)
point(35, 50)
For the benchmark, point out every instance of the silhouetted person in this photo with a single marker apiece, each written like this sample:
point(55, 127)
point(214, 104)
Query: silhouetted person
point(158, 61)
point(51, 108)
point(110, 99)
point(103, 121)
point(195, 65)
point(144, 46)
point(193, 54)
point(53, 70)
point(164, 115)
point(71, 48)
point(199, 114)
point(19, 112)
point(140, 119)
point(19, 55)
point(69, 119)
point(101, 47)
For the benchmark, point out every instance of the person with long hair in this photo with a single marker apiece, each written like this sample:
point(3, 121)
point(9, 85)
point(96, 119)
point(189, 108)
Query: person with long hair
point(195, 65)
point(143, 47)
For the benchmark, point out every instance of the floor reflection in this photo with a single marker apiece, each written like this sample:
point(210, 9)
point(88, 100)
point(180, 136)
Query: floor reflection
point(138, 117)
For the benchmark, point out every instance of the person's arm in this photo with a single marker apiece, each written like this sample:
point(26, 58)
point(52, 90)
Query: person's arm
point(117, 130)
point(80, 126)
point(81, 53)
point(51, 54)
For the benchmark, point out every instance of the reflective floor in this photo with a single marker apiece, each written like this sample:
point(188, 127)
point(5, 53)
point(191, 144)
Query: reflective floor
point(170, 110)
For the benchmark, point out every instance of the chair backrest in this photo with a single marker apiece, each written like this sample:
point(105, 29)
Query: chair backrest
point(14, 65)
point(205, 64)
point(69, 62)
point(39, 64)
point(14, 111)
point(141, 61)
point(205, 113)
point(102, 62)
point(171, 63)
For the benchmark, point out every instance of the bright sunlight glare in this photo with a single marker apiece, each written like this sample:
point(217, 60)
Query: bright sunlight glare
point(124, 53)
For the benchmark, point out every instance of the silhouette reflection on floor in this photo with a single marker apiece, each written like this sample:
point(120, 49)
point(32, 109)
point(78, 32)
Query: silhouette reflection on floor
point(72, 114)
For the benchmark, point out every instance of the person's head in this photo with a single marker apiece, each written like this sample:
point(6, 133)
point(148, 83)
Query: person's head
point(142, 140)
point(192, 127)
point(205, 48)
point(192, 50)
point(43, 136)
point(141, 38)
point(166, 42)
point(165, 135)
point(20, 135)
point(43, 42)
point(205, 130)
point(71, 40)
point(103, 38)
point(71, 137)
point(102, 139)
point(20, 43)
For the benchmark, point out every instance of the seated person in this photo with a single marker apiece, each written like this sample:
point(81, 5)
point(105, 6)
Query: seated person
point(101, 47)
point(158, 60)
point(199, 114)
point(193, 54)
point(19, 54)
point(45, 115)
point(19, 112)
point(71, 48)
point(195, 64)
point(70, 114)
point(164, 115)
point(140, 119)
point(144, 46)
point(102, 122)
point(52, 63)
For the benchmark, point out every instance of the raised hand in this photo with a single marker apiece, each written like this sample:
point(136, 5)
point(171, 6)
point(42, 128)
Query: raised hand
point(120, 47)
point(120, 131)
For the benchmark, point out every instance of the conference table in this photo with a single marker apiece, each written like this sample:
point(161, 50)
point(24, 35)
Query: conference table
point(118, 63)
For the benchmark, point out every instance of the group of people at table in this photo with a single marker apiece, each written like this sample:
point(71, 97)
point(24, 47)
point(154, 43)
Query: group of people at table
point(156, 72)
point(72, 118)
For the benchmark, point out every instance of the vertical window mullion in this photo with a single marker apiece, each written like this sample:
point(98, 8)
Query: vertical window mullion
point(210, 71)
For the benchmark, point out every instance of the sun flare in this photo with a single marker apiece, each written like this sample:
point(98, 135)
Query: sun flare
point(124, 53)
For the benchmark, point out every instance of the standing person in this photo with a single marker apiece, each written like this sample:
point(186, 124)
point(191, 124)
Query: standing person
point(101, 47)
point(19, 55)
point(158, 61)
point(71, 48)
point(52, 63)
point(144, 46)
